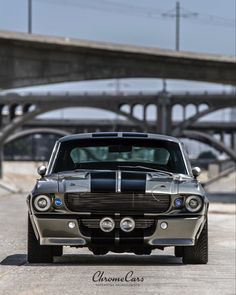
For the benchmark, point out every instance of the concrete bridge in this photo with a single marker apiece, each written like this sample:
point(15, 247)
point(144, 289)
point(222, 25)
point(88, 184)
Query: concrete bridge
point(162, 103)
point(28, 60)
point(16, 110)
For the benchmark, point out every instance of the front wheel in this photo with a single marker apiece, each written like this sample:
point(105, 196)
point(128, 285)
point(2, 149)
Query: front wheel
point(198, 254)
point(36, 252)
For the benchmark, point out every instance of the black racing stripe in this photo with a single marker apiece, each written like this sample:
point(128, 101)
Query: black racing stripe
point(103, 182)
point(133, 182)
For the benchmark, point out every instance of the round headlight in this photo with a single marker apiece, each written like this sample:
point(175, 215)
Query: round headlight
point(107, 224)
point(193, 203)
point(42, 203)
point(127, 224)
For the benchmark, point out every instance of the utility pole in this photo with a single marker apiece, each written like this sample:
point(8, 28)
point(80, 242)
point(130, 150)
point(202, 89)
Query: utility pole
point(29, 16)
point(177, 26)
point(177, 14)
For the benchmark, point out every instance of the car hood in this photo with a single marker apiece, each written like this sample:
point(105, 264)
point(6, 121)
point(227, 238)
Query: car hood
point(120, 182)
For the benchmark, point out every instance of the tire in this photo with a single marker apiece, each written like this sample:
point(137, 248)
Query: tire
point(57, 250)
point(179, 251)
point(36, 252)
point(198, 254)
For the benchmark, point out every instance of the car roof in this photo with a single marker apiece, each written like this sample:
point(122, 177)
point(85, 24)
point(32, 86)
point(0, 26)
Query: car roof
point(136, 135)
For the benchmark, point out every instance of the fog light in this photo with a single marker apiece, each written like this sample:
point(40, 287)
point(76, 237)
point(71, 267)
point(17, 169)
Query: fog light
point(164, 225)
point(193, 203)
point(42, 203)
point(58, 202)
point(107, 224)
point(71, 224)
point(178, 203)
point(127, 224)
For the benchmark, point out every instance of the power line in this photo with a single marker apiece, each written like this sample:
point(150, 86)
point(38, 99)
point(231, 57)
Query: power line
point(108, 6)
point(140, 11)
point(213, 19)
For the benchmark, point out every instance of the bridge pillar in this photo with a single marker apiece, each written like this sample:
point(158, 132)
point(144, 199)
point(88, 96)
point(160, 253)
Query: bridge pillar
point(1, 117)
point(222, 136)
point(12, 111)
point(145, 113)
point(164, 120)
point(233, 141)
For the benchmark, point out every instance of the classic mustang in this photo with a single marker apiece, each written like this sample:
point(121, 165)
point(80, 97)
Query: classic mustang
point(120, 192)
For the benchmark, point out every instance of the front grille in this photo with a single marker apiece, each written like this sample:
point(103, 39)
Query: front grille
point(117, 202)
point(139, 223)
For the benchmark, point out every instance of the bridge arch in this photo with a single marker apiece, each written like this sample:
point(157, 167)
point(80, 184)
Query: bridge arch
point(27, 132)
point(205, 138)
point(38, 110)
point(188, 122)
point(190, 110)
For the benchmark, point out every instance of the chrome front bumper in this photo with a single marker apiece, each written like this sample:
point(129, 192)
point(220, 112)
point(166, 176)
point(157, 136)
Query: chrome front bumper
point(181, 231)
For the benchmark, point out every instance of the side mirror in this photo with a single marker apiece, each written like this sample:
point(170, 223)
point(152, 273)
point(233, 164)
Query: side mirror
point(42, 170)
point(196, 171)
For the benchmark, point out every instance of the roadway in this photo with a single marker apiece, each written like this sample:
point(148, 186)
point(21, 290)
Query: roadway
point(162, 273)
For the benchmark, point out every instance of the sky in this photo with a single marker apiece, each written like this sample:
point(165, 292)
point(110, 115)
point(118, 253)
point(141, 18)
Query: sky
point(129, 21)
point(205, 26)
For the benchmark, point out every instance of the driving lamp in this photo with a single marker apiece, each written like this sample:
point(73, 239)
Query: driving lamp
point(127, 224)
point(107, 224)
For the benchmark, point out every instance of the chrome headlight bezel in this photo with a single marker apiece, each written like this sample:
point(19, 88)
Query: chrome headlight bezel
point(45, 197)
point(199, 206)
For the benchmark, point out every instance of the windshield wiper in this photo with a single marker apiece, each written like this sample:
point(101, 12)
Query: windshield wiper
point(148, 168)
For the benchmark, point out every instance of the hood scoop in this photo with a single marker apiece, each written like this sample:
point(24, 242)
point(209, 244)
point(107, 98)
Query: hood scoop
point(76, 182)
point(161, 184)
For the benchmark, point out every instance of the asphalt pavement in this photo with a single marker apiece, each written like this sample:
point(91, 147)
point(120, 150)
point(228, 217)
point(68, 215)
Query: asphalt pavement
point(79, 272)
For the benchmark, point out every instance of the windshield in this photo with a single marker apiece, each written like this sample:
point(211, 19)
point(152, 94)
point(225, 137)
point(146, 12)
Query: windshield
point(117, 152)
